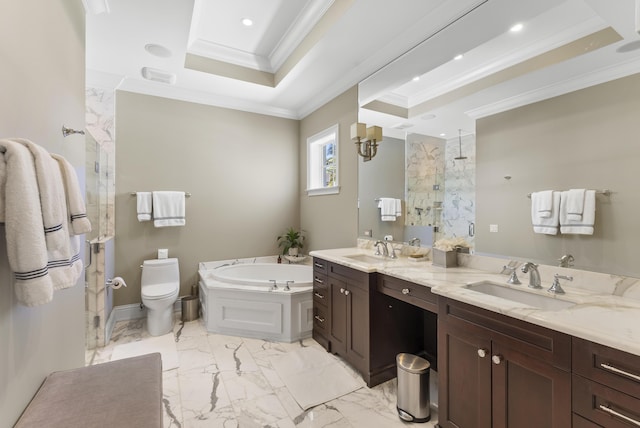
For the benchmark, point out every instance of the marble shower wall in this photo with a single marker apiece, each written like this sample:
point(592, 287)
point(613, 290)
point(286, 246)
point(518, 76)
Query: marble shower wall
point(425, 184)
point(440, 191)
point(100, 201)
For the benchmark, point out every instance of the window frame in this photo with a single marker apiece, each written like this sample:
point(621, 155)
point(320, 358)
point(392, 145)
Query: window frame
point(316, 164)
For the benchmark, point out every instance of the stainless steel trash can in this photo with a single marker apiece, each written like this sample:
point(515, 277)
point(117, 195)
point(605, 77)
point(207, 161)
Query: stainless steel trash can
point(413, 388)
point(190, 308)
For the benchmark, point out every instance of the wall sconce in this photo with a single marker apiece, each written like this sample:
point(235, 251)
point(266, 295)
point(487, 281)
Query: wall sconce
point(367, 139)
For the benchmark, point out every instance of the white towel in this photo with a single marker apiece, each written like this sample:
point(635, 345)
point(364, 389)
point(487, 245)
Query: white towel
point(26, 247)
point(51, 195)
point(584, 226)
point(542, 202)
point(388, 209)
point(75, 202)
point(144, 205)
point(168, 209)
point(65, 265)
point(575, 204)
point(546, 225)
point(398, 207)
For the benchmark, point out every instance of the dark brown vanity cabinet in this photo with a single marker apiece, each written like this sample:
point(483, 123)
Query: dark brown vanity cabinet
point(606, 386)
point(366, 328)
point(499, 372)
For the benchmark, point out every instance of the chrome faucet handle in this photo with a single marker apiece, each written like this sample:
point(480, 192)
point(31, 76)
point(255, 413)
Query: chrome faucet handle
point(275, 285)
point(377, 253)
point(393, 252)
point(555, 286)
point(286, 287)
point(513, 278)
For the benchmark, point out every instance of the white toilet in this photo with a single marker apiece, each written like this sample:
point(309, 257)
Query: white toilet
point(160, 287)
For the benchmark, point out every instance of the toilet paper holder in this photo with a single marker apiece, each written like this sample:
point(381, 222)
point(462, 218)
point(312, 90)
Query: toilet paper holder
point(115, 283)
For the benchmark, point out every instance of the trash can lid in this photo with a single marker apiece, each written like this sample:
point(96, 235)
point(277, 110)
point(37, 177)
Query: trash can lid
point(412, 363)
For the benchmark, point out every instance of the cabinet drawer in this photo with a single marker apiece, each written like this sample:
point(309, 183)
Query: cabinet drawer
point(580, 422)
point(320, 320)
point(351, 276)
point(603, 405)
point(319, 280)
point(617, 369)
point(417, 295)
point(320, 266)
point(320, 294)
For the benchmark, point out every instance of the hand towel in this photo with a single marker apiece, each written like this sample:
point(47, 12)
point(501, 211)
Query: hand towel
point(584, 226)
point(65, 264)
point(168, 209)
point(546, 225)
point(542, 202)
point(575, 204)
point(143, 201)
point(398, 207)
point(51, 195)
point(75, 201)
point(26, 244)
point(387, 209)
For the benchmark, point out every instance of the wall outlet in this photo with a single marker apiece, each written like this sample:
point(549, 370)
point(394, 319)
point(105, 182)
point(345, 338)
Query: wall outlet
point(163, 253)
point(493, 228)
point(368, 232)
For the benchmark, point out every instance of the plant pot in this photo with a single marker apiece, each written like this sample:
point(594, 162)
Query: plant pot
point(293, 252)
point(445, 258)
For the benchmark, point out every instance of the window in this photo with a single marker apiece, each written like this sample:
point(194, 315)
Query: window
point(322, 162)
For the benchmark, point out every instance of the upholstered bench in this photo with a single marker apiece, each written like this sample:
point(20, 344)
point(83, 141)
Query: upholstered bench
point(123, 393)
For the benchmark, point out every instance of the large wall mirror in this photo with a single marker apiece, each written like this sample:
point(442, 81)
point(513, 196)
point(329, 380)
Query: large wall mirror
point(484, 112)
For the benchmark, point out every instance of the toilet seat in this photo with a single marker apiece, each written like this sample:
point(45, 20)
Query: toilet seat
point(159, 291)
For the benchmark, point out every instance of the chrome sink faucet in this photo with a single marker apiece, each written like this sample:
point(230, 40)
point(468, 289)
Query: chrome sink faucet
point(555, 287)
point(385, 249)
point(534, 275)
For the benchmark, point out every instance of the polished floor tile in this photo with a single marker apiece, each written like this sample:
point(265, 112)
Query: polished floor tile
point(227, 381)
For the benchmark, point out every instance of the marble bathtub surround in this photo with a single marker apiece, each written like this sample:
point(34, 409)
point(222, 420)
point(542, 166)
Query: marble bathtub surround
point(607, 307)
point(225, 381)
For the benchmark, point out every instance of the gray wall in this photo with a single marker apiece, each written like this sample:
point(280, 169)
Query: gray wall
point(331, 221)
point(241, 169)
point(382, 177)
point(586, 139)
point(42, 87)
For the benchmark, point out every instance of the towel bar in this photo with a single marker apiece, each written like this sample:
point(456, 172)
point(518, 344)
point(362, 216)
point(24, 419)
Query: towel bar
point(605, 192)
point(186, 194)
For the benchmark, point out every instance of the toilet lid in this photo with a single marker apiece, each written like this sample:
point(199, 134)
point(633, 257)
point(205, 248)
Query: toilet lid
point(158, 291)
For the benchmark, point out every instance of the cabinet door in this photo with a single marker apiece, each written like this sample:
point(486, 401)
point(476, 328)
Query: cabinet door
point(464, 376)
point(358, 327)
point(338, 316)
point(527, 392)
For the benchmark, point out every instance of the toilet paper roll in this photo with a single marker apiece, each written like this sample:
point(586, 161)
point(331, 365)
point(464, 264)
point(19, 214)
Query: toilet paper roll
point(116, 283)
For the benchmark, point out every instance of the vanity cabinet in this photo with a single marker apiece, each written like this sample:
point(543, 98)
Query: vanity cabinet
point(496, 371)
point(606, 386)
point(321, 299)
point(363, 326)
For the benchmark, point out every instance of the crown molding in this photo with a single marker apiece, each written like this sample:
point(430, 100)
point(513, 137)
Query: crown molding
point(571, 84)
point(207, 49)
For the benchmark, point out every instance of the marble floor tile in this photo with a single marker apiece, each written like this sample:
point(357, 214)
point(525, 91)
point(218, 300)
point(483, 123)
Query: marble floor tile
point(229, 382)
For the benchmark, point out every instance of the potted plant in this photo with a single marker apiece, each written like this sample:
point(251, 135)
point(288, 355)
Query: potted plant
point(291, 241)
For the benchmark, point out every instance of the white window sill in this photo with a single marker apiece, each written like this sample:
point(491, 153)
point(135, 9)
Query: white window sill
point(323, 191)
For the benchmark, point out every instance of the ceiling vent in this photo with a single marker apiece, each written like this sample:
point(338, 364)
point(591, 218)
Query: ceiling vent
point(404, 125)
point(158, 75)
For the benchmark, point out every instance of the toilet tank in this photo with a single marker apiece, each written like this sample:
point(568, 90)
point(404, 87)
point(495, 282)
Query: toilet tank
point(160, 271)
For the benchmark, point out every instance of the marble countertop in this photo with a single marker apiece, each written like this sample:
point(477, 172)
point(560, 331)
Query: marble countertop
point(606, 310)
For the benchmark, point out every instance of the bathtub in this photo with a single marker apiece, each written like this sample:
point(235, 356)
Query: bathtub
point(238, 298)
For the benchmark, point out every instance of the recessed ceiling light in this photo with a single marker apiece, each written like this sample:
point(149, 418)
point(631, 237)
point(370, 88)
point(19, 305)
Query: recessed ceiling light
point(415, 79)
point(518, 27)
point(443, 135)
point(247, 22)
point(157, 50)
point(458, 57)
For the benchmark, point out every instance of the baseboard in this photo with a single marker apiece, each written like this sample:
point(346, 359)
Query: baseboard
point(128, 313)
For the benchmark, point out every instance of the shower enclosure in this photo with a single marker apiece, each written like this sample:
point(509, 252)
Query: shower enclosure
point(99, 260)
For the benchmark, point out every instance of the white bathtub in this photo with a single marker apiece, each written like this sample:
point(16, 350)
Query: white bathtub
point(239, 299)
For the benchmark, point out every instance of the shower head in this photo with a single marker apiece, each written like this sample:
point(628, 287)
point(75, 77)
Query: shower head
point(460, 157)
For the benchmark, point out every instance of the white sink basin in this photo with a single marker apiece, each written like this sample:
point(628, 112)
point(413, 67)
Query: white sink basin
point(364, 258)
point(541, 301)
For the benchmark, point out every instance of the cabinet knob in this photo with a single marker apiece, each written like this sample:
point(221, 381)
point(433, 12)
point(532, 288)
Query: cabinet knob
point(406, 291)
point(482, 353)
point(497, 359)
point(346, 292)
point(342, 291)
